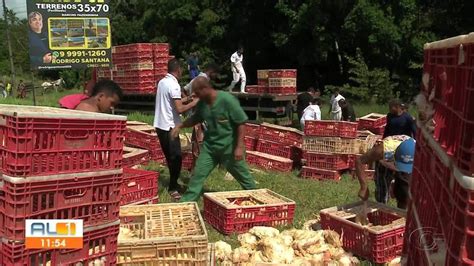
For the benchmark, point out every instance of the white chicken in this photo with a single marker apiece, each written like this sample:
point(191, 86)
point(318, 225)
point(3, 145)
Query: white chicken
point(263, 231)
point(248, 240)
point(223, 251)
point(276, 251)
point(295, 247)
point(241, 254)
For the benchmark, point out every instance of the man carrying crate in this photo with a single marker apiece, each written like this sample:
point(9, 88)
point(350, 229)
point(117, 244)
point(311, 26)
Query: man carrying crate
point(395, 153)
point(223, 141)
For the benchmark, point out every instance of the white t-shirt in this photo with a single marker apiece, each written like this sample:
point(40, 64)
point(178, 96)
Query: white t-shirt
point(312, 112)
point(189, 86)
point(335, 103)
point(237, 59)
point(166, 116)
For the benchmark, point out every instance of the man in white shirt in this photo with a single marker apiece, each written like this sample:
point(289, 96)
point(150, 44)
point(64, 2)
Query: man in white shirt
point(168, 108)
point(336, 111)
point(312, 112)
point(238, 72)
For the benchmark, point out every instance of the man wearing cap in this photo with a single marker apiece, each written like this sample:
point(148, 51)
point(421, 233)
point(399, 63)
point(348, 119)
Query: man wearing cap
point(396, 153)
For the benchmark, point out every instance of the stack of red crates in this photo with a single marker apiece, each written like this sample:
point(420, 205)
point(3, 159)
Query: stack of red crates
point(60, 164)
point(373, 122)
point(442, 185)
point(274, 81)
point(142, 135)
point(273, 147)
point(138, 66)
point(327, 166)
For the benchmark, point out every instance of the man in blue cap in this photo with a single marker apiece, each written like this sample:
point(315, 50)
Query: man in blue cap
point(395, 153)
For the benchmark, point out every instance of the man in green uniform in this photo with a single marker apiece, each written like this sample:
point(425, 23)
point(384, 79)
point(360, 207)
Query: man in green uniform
point(223, 140)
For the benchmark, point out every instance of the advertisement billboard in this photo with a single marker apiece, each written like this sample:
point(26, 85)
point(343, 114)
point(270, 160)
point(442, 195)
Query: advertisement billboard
point(69, 34)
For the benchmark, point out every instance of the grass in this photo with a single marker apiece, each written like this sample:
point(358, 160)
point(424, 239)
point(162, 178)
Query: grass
point(49, 99)
point(310, 196)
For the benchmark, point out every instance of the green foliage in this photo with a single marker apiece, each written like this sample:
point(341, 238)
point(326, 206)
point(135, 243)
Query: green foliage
point(368, 84)
point(71, 78)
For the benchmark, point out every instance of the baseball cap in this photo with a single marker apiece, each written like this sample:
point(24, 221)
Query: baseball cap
point(404, 156)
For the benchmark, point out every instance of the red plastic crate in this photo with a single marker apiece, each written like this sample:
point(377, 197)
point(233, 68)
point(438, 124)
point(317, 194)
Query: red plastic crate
point(161, 47)
point(460, 236)
point(424, 201)
point(281, 90)
point(100, 244)
point(263, 83)
point(133, 63)
point(378, 130)
point(466, 95)
point(273, 148)
point(138, 185)
point(140, 55)
point(133, 73)
point(421, 245)
point(465, 152)
point(256, 89)
point(93, 197)
point(144, 136)
point(321, 128)
point(252, 130)
point(229, 219)
point(135, 156)
point(187, 160)
point(376, 246)
point(67, 141)
point(284, 135)
point(160, 65)
point(269, 162)
point(282, 73)
point(453, 194)
point(327, 161)
point(133, 90)
point(372, 121)
point(319, 174)
point(125, 64)
point(250, 143)
point(141, 47)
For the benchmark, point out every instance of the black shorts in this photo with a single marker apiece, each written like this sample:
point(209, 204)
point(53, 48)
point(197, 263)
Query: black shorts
point(400, 190)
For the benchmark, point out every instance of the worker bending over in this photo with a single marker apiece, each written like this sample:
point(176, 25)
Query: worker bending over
point(396, 153)
point(311, 113)
point(223, 140)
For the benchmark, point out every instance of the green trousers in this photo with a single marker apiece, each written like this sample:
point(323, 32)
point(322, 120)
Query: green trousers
point(206, 162)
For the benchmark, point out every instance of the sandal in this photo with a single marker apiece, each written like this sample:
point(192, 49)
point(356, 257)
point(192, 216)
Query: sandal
point(175, 196)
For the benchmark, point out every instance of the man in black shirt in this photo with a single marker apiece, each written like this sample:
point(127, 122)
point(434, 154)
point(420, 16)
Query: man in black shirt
point(348, 113)
point(304, 99)
point(399, 122)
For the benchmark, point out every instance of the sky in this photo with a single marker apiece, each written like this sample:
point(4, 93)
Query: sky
point(18, 6)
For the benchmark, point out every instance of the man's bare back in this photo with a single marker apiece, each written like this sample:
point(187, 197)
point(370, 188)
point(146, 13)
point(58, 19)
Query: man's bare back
point(88, 105)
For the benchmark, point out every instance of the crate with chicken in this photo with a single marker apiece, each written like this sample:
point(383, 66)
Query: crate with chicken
point(238, 211)
point(162, 234)
point(270, 247)
point(370, 230)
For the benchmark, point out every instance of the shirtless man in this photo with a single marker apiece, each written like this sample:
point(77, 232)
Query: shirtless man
point(105, 96)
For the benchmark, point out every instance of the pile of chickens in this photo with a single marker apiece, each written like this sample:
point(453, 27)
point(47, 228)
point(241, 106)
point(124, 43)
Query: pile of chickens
point(295, 247)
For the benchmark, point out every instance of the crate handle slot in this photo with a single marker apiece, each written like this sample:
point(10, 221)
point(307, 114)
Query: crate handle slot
point(74, 193)
point(132, 184)
point(76, 134)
